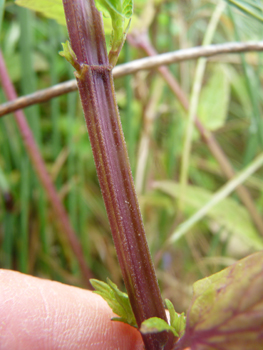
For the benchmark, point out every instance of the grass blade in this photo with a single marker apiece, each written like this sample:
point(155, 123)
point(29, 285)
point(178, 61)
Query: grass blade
point(219, 195)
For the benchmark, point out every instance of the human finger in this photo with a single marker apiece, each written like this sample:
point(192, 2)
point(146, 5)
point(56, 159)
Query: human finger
point(46, 315)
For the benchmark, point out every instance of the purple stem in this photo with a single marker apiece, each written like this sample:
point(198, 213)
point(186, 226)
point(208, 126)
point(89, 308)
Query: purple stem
point(111, 158)
point(40, 168)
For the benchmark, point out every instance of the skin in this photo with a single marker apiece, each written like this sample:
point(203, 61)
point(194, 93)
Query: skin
point(40, 314)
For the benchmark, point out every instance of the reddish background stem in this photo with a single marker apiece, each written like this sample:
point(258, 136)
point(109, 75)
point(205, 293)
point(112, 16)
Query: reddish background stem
point(40, 168)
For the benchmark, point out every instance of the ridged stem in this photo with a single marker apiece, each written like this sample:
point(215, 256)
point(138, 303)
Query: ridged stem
point(95, 83)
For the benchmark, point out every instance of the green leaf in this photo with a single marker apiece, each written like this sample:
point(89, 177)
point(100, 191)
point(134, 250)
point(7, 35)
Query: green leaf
point(228, 212)
point(112, 8)
point(214, 99)
point(118, 11)
point(251, 8)
point(177, 321)
point(227, 309)
point(54, 9)
point(48, 8)
point(156, 325)
point(117, 301)
point(127, 8)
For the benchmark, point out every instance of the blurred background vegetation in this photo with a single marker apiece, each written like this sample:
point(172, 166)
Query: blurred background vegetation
point(155, 127)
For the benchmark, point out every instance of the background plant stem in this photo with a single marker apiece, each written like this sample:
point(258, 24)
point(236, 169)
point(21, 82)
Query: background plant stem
point(207, 136)
point(42, 173)
point(133, 67)
point(199, 74)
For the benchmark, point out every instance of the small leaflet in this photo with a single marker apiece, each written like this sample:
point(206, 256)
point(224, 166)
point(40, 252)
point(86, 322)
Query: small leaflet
point(120, 11)
point(117, 301)
point(156, 325)
point(69, 55)
point(177, 321)
point(109, 7)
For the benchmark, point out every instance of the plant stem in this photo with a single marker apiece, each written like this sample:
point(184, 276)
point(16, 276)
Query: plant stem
point(196, 89)
point(42, 173)
point(95, 83)
point(133, 67)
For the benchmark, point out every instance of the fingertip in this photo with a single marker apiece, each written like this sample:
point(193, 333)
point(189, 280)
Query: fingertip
point(42, 314)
